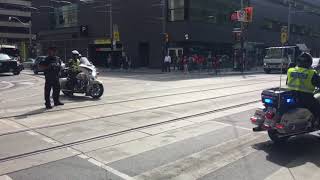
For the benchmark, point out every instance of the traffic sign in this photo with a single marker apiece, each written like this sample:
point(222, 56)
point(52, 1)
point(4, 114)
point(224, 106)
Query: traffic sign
point(242, 15)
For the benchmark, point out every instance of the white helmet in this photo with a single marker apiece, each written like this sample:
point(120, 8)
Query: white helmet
point(75, 52)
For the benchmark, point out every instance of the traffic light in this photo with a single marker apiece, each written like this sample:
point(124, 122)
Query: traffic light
point(166, 37)
point(249, 14)
point(84, 31)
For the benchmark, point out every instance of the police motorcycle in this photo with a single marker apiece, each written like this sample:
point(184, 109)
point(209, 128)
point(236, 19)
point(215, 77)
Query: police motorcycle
point(282, 116)
point(86, 81)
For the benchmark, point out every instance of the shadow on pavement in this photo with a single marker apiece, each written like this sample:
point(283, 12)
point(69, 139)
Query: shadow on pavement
point(30, 113)
point(296, 152)
point(6, 74)
point(78, 98)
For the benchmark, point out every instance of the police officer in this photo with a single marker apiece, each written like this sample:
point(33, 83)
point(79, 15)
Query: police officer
point(74, 64)
point(303, 80)
point(51, 66)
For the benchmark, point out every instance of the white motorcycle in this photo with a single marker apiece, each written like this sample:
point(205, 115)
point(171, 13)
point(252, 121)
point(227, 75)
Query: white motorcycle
point(86, 81)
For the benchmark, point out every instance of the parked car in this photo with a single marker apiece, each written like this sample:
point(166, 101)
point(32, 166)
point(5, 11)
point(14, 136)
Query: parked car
point(36, 69)
point(28, 63)
point(9, 64)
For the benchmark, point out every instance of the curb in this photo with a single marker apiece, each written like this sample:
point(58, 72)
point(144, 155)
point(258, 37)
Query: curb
point(178, 72)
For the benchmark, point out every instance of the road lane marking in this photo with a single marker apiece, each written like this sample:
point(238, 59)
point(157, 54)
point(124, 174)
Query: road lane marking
point(108, 155)
point(206, 161)
point(26, 83)
point(51, 141)
point(5, 177)
point(83, 156)
point(9, 85)
point(118, 173)
point(110, 169)
point(304, 167)
point(32, 133)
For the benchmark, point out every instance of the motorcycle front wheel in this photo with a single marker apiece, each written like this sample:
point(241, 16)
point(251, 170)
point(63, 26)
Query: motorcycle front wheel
point(274, 136)
point(97, 91)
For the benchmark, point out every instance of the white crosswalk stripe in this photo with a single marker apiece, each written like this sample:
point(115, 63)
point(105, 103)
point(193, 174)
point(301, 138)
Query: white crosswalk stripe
point(5, 177)
point(299, 169)
point(206, 161)
point(126, 150)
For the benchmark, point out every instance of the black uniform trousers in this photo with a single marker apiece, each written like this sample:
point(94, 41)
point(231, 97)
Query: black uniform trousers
point(51, 83)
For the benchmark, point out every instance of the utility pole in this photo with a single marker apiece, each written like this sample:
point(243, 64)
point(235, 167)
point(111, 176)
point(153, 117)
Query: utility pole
point(30, 38)
point(289, 19)
point(111, 20)
point(164, 30)
point(242, 40)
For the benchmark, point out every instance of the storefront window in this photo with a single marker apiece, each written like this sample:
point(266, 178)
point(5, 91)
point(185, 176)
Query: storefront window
point(212, 11)
point(66, 16)
point(176, 10)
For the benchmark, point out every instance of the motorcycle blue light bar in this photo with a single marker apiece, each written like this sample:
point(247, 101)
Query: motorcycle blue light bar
point(290, 101)
point(268, 101)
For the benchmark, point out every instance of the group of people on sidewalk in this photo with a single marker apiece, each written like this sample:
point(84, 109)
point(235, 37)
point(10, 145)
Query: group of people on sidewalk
point(124, 62)
point(193, 62)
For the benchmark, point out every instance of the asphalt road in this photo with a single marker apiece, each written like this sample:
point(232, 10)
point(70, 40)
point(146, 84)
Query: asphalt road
point(147, 126)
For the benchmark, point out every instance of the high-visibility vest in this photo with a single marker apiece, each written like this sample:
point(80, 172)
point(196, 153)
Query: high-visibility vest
point(300, 79)
point(74, 64)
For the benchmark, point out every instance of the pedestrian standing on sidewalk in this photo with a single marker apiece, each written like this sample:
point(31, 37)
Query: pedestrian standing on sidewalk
point(109, 61)
point(190, 63)
point(216, 64)
point(175, 62)
point(180, 62)
point(209, 62)
point(167, 62)
point(185, 65)
point(200, 63)
point(51, 67)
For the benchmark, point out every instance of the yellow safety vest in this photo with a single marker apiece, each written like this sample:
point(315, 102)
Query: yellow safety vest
point(74, 64)
point(300, 79)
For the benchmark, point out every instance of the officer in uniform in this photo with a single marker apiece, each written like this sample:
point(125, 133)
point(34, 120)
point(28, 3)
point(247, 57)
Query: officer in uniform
point(52, 66)
point(303, 80)
point(74, 64)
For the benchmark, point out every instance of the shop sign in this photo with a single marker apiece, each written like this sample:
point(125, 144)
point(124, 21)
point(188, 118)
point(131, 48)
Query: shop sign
point(102, 41)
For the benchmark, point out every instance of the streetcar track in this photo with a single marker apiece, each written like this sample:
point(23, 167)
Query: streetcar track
point(115, 115)
point(236, 81)
point(129, 100)
point(96, 138)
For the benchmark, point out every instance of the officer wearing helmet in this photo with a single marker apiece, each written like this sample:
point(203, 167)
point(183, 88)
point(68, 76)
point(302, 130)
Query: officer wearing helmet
point(303, 80)
point(74, 64)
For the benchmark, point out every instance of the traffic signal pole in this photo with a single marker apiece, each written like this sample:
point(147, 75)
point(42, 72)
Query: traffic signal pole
point(164, 31)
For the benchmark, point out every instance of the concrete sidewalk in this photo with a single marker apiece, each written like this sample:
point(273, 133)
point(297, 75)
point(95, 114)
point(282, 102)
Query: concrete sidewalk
point(222, 72)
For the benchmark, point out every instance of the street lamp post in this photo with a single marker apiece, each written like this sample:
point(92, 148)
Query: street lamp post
point(25, 24)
